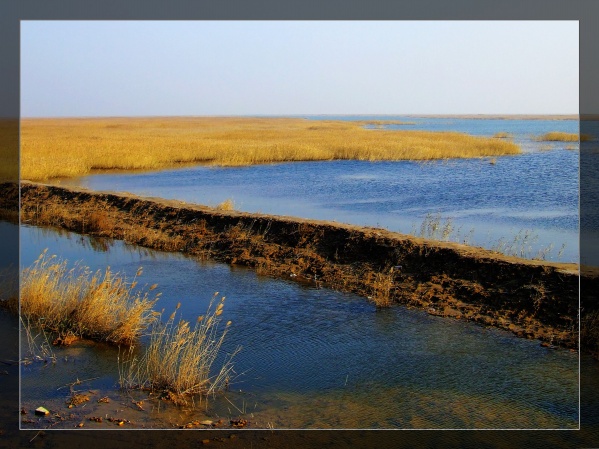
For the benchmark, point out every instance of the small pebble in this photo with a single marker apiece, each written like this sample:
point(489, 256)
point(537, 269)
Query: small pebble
point(41, 411)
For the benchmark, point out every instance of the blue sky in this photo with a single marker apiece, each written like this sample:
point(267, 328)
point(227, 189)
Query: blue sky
point(162, 68)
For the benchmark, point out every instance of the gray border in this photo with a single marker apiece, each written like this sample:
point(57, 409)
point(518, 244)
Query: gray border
point(587, 11)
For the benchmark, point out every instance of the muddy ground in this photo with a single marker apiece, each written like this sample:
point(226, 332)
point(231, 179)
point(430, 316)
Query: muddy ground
point(533, 299)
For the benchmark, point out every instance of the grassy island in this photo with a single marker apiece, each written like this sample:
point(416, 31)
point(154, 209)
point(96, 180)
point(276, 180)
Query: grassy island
point(53, 148)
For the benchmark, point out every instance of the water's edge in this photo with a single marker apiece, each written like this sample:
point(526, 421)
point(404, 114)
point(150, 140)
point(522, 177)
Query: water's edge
point(532, 299)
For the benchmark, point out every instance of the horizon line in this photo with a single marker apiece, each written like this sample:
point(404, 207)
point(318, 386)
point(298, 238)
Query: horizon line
point(564, 116)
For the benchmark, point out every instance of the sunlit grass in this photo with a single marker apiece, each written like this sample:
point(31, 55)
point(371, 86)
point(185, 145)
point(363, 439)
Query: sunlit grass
point(523, 244)
point(556, 136)
point(73, 147)
point(74, 302)
point(228, 204)
point(178, 358)
point(103, 306)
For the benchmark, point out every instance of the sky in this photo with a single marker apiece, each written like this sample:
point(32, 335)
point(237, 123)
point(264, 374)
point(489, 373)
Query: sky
point(198, 68)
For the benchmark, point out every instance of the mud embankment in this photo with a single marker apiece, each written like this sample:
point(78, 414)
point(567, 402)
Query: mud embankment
point(533, 299)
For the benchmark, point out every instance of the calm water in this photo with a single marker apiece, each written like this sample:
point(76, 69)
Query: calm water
point(488, 204)
point(313, 358)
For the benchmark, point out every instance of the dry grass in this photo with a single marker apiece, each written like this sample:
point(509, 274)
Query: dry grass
point(103, 306)
point(38, 344)
point(434, 228)
point(75, 302)
point(179, 358)
point(228, 204)
point(523, 244)
point(101, 221)
point(556, 136)
point(73, 147)
point(382, 287)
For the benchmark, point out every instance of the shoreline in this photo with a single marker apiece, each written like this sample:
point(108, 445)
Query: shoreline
point(449, 116)
point(551, 117)
point(532, 299)
point(499, 116)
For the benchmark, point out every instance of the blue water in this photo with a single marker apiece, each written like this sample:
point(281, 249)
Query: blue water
point(489, 205)
point(314, 358)
point(522, 130)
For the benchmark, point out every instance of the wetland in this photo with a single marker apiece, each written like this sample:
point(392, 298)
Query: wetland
point(307, 294)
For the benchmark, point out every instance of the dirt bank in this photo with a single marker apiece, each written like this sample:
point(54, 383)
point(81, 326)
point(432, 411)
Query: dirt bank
point(533, 299)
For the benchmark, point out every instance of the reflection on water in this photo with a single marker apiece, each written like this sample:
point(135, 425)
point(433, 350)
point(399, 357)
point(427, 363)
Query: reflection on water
point(536, 191)
point(314, 358)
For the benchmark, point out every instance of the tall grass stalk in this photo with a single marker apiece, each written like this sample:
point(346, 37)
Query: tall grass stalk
point(178, 359)
point(522, 244)
point(435, 228)
point(38, 344)
point(74, 301)
point(228, 204)
point(382, 288)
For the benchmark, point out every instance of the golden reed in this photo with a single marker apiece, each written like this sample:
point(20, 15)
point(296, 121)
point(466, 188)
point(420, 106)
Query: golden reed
point(53, 148)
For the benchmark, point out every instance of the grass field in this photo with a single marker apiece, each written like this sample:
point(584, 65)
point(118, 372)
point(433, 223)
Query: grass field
point(556, 136)
point(72, 147)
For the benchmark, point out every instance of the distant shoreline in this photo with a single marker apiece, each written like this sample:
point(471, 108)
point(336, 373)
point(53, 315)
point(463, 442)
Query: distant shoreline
point(459, 116)
point(502, 116)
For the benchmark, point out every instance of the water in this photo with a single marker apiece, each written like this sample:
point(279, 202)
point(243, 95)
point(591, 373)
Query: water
point(490, 205)
point(314, 358)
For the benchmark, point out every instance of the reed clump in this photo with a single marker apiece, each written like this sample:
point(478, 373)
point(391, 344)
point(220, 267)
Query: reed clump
point(382, 289)
point(556, 136)
point(178, 359)
point(53, 148)
point(522, 244)
point(433, 227)
point(103, 306)
point(76, 303)
point(228, 204)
